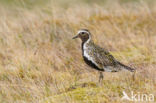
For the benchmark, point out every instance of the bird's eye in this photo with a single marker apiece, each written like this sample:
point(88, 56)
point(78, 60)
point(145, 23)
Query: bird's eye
point(82, 32)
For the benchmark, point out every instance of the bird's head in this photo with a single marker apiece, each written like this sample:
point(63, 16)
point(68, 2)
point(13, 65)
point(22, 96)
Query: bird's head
point(83, 34)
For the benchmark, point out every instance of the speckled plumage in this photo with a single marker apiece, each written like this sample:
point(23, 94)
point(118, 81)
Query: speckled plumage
point(98, 57)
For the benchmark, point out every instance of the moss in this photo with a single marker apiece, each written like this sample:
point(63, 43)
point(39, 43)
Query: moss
point(82, 95)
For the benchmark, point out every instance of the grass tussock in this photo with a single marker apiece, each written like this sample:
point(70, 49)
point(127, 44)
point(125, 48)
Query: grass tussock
point(40, 63)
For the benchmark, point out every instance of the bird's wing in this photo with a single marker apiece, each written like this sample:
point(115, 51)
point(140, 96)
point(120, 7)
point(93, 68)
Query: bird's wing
point(103, 57)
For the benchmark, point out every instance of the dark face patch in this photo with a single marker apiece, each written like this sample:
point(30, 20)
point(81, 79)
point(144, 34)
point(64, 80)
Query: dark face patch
point(84, 36)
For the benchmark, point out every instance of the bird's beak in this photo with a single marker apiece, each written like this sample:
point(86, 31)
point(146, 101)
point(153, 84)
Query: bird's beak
point(75, 37)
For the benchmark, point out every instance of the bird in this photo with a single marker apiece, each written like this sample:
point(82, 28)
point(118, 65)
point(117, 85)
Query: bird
point(97, 57)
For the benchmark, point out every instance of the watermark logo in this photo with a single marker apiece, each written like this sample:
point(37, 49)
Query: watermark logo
point(140, 97)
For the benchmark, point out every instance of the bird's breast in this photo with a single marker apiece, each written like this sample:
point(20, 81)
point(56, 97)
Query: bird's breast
point(87, 53)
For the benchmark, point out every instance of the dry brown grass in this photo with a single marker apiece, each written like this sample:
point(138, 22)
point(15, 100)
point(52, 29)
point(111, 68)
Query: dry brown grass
point(39, 62)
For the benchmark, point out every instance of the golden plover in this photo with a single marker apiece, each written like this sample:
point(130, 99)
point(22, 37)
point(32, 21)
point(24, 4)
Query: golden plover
point(97, 57)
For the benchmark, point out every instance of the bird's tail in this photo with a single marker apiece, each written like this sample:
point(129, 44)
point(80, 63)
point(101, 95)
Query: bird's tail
point(126, 67)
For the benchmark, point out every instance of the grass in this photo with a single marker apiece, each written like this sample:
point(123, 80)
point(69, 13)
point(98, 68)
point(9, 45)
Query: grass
point(40, 63)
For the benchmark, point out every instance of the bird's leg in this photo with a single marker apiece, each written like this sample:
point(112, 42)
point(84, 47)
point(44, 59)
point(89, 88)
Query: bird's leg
point(100, 76)
point(133, 76)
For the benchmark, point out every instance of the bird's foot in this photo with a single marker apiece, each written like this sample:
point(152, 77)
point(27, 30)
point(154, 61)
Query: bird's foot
point(100, 77)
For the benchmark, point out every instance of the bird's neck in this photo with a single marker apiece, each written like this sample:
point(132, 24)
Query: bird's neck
point(84, 43)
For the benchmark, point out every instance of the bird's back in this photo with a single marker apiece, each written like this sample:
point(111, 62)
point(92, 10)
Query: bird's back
point(100, 57)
